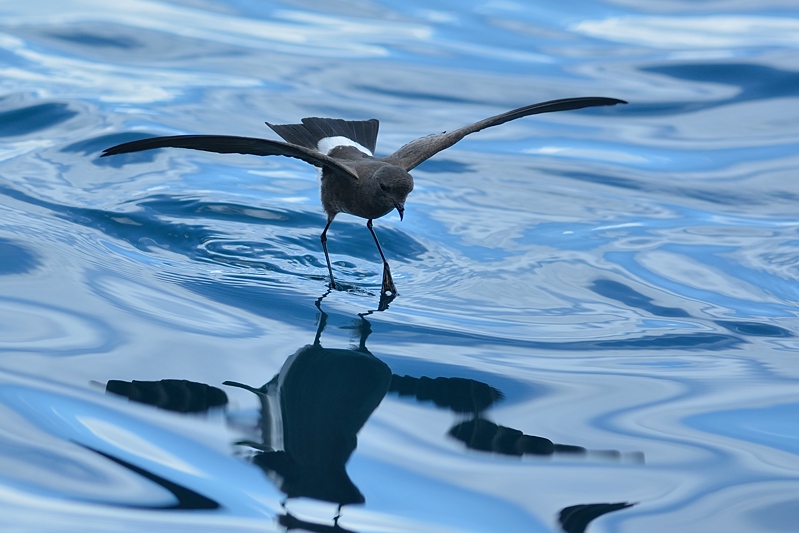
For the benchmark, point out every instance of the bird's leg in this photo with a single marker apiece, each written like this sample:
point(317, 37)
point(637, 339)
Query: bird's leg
point(388, 282)
point(327, 256)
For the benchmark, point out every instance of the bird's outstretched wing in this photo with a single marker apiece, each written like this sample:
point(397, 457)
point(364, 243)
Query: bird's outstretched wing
point(228, 144)
point(415, 152)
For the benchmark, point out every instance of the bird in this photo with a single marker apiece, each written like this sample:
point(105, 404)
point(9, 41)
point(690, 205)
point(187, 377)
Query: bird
point(353, 180)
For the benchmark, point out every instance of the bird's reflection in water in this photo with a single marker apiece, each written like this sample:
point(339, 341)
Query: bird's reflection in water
point(312, 410)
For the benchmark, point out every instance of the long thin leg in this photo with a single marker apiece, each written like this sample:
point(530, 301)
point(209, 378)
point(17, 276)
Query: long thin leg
point(327, 256)
point(388, 282)
point(322, 319)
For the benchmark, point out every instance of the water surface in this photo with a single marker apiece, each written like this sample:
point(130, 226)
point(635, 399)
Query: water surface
point(597, 311)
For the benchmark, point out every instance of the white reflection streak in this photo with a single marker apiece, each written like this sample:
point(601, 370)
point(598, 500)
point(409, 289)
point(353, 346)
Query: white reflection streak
point(310, 34)
point(393, 29)
point(128, 81)
point(695, 32)
point(136, 445)
point(16, 149)
point(295, 32)
point(584, 153)
point(618, 226)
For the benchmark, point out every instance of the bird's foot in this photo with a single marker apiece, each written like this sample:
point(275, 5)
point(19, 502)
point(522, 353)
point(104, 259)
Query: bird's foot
point(388, 288)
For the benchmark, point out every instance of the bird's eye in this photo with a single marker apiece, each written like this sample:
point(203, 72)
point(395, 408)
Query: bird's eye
point(384, 187)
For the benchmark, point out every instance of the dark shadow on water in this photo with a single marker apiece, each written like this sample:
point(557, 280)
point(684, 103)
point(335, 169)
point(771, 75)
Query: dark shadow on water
point(664, 188)
point(16, 258)
point(186, 499)
point(630, 297)
point(145, 228)
point(97, 144)
point(30, 119)
point(312, 410)
point(753, 329)
point(753, 81)
point(576, 518)
point(95, 40)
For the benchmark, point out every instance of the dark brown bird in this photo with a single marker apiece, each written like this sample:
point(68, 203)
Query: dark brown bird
point(353, 180)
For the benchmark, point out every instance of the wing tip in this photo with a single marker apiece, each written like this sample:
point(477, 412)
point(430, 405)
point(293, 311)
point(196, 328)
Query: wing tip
point(114, 150)
point(124, 148)
point(604, 100)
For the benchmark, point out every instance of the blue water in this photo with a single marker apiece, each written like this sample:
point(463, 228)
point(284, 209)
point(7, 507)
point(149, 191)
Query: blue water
point(596, 325)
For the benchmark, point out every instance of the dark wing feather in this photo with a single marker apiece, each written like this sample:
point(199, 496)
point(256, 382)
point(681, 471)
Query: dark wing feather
point(365, 132)
point(227, 144)
point(313, 129)
point(415, 152)
point(295, 134)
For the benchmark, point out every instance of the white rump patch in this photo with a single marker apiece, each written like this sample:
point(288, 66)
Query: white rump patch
point(326, 144)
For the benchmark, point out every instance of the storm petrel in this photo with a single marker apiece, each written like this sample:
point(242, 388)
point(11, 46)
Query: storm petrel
point(353, 180)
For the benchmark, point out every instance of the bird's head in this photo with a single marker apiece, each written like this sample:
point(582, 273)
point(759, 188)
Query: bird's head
point(393, 185)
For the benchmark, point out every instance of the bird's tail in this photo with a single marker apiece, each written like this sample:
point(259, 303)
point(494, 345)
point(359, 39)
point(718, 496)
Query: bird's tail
point(313, 130)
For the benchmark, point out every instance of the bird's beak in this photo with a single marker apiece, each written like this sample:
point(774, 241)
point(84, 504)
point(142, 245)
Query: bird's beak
point(400, 209)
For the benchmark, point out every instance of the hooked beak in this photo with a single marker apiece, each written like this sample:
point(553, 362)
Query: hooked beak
point(400, 209)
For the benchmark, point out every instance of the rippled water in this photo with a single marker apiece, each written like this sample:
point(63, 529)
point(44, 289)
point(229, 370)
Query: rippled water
point(597, 311)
